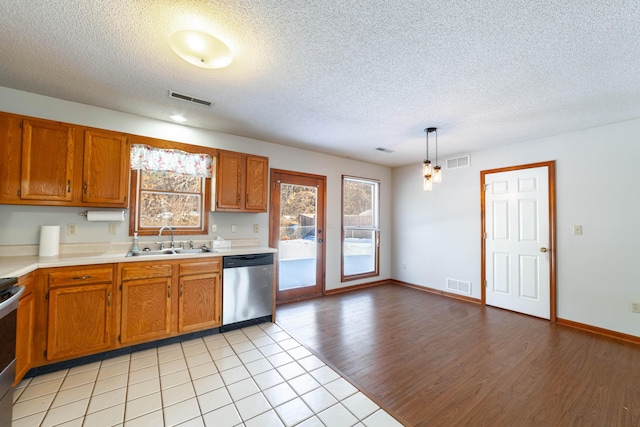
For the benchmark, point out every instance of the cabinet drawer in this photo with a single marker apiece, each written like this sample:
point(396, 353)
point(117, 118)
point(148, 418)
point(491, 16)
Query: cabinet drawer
point(209, 266)
point(145, 271)
point(80, 276)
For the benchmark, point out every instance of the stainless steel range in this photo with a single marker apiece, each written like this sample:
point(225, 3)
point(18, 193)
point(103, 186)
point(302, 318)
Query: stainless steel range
point(9, 295)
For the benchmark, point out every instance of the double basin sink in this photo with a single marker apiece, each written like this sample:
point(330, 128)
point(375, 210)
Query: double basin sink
point(174, 251)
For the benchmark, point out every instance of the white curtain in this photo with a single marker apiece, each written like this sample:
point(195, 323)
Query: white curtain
point(145, 157)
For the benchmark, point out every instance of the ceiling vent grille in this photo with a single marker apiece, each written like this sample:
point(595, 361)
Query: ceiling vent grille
point(189, 98)
point(459, 162)
point(384, 150)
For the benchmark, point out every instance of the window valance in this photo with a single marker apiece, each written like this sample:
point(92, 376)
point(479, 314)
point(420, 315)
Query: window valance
point(148, 158)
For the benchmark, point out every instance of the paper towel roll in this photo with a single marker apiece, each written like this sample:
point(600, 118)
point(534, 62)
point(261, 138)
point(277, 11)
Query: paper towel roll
point(111, 216)
point(49, 240)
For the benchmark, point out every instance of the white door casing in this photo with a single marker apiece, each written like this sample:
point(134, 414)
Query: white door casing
point(517, 241)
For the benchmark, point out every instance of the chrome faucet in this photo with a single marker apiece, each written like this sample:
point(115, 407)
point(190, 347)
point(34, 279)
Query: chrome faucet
point(173, 245)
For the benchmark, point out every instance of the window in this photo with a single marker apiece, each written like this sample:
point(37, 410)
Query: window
point(170, 190)
point(360, 228)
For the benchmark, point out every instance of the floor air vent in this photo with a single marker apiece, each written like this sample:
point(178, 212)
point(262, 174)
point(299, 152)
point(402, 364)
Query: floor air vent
point(189, 98)
point(459, 162)
point(459, 286)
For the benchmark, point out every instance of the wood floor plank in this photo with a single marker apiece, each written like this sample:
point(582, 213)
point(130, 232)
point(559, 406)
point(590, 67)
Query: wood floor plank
point(436, 361)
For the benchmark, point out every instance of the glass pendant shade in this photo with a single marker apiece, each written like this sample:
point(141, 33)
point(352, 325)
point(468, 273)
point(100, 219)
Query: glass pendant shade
point(437, 174)
point(426, 168)
point(427, 184)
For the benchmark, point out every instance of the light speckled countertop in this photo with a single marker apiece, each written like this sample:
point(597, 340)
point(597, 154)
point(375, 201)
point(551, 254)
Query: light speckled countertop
point(15, 266)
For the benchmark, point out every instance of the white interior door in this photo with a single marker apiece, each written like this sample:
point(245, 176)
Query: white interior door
point(517, 257)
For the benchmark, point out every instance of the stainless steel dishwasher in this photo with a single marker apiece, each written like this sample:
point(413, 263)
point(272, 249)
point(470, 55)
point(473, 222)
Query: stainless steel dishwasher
point(247, 288)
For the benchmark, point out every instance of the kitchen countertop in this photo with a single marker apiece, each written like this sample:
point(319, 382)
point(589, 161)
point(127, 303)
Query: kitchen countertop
point(15, 266)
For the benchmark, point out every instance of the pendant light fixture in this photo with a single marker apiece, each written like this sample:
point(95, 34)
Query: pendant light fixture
point(430, 173)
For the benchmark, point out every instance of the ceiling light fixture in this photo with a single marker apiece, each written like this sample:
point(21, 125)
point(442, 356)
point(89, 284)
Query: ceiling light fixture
point(201, 49)
point(178, 118)
point(430, 173)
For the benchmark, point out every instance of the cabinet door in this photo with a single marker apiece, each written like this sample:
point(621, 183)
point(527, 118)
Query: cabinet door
point(10, 158)
point(47, 161)
point(24, 335)
point(229, 182)
point(79, 320)
point(106, 168)
point(256, 184)
point(146, 309)
point(200, 302)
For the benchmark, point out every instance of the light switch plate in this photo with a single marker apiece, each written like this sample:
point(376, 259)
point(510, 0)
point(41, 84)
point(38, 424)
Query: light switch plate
point(577, 230)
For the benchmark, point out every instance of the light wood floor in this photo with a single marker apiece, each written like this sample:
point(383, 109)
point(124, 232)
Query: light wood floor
point(436, 361)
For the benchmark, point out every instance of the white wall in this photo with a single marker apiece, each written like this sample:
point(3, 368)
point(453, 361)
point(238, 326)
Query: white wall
point(20, 224)
point(437, 234)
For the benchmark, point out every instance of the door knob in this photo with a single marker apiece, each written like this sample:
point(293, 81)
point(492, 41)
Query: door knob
point(543, 249)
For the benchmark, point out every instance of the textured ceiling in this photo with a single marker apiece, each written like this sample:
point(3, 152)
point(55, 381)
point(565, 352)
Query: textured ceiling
point(341, 76)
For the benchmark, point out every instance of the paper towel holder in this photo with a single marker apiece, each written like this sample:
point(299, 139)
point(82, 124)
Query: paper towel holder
point(116, 216)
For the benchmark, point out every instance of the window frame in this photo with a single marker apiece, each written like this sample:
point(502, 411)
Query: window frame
point(134, 189)
point(375, 228)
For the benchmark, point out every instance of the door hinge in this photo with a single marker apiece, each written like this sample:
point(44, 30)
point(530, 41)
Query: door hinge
point(19, 193)
point(119, 338)
point(45, 354)
point(46, 297)
point(485, 234)
point(120, 287)
point(485, 284)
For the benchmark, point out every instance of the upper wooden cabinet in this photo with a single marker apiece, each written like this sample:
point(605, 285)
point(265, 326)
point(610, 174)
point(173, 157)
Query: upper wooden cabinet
point(242, 183)
point(106, 168)
point(47, 161)
point(43, 162)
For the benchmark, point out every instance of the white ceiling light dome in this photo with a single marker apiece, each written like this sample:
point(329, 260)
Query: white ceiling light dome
point(201, 49)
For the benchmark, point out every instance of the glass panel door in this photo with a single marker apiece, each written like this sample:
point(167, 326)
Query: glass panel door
point(297, 217)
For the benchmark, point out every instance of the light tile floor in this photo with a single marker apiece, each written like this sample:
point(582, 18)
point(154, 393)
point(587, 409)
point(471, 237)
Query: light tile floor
point(255, 377)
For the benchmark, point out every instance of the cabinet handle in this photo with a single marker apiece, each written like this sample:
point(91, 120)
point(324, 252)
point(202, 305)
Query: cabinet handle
point(238, 198)
point(81, 277)
point(84, 187)
point(68, 186)
point(109, 299)
point(181, 289)
point(168, 291)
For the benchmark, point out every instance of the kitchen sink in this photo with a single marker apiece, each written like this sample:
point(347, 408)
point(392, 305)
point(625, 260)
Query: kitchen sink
point(175, 251)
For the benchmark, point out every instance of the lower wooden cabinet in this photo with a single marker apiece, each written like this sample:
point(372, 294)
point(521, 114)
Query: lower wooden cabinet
point(200, 298)
point(80, 320)
point(146, 310)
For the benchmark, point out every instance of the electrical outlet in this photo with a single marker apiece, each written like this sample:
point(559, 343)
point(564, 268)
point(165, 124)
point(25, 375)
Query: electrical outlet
point(635, 307)
point(113, 228)
point(214, 228)
point(256, 228)
point(72, 229)
point(234, 228)
point(577, 230)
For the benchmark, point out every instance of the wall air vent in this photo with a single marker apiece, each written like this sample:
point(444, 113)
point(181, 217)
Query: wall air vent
point(384, 150)
point(189, 98)
point(459, 162)
point(459, 286)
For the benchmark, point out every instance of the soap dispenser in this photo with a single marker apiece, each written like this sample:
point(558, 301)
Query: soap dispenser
point(134, 247)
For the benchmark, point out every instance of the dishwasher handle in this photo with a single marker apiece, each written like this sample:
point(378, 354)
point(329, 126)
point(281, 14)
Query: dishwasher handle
point(252, 260)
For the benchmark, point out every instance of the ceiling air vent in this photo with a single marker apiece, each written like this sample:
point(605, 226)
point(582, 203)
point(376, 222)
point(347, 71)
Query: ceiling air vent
point(189, 98)
point(384, 150)
point(459, 162)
